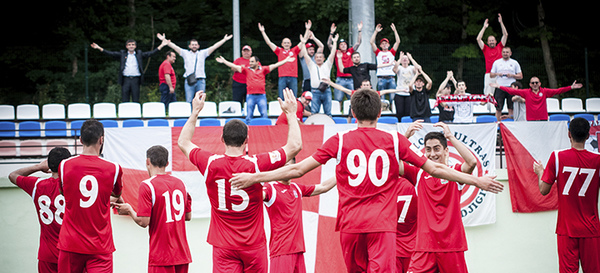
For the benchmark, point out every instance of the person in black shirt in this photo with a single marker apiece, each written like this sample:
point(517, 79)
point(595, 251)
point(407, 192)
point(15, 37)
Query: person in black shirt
point(419, 96)
point(359, 71)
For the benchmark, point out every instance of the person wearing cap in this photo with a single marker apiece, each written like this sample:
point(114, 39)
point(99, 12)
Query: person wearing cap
point(385, 59)
point(311, 49)
point(288, 73)
point(238, 86)
point(344, 79)
point(303, 103)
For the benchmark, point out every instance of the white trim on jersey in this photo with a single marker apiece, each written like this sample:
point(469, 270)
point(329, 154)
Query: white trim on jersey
point(254, 161)
point(210, 160)
point(35, 187)
point(149, 183)
point(117, 167)
point(273, 195)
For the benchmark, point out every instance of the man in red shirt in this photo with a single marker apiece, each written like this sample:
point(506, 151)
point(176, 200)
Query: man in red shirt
point(255, 82)
point(48, 202)
point(367, 166)
point(535, 97)
point(303, 102)
point(164, 205)
point(345, 53)
point(238, 85)
point(492, 51)
point(236, 224)
point(167, 79)
point(575, 172)
point(89, 184)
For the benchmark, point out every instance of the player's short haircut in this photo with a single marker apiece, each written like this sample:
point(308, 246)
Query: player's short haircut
point(579, 129)
point(355, 53)
point(235, 133)
point(168, 54)
point(256, 59)
point(365, 104)
point(130, 41)
point(158, 155)
point(55, 156)
point(437, 135)
point(517, 84)
point(91, 131)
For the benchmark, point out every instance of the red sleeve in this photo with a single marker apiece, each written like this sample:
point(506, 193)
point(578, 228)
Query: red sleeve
point(512, 91)
point(199, 158)
point(266, 70)
point(410, 173)
point(551, 92)
point(188, 203)
point(306, 190)
point(271, 160)
point(267, 192)
point(144, 201)
point(296, 50)
point(549, 175)
point(328, 150)
point(27, 183)
point(393, 52)
point(118, 188)
point(410, 153)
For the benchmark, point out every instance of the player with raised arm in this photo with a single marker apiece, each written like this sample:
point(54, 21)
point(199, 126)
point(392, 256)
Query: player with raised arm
point(89, 184)
point(163, 205)
point(236, 224)
point(49, 204)
point(367, 167)
point(575, 172)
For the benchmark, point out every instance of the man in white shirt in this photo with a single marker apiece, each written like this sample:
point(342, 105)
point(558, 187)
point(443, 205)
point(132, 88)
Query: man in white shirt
point(506, 71)
point(319, 69)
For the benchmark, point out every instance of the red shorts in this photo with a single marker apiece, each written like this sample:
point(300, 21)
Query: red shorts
point(71, 262)
point(372, 252)
point(180, 268)
point(288, 263)
point(231, 261)
point(47, 267)
point(571, 250)
point(444, 262)
point(402, 264)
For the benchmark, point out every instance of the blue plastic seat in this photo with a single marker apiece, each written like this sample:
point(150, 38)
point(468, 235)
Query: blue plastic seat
point(260, 121)
point(76, 126)
point(30, 129)
point(55, 128)
point(588, 117)
point(230, 119)
point(179, 122)
point(434, 119)
point(128, 123)
point(406, 119)
point(8, 129)
point(158, 122)
point(340, 120)
point(109, 123)
point(486, 119)
point(210, 122)
point(388, 120)
point(559, 117)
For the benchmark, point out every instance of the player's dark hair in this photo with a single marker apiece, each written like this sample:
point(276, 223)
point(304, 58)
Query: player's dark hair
point(55, 156)
point(437, 135)
point(91, 131)
point(365, 104)
point(158, 155)
point(517, 84)
point(235, 133)
point(355, 53)
point(168, 54)
point(579, 129)
point(256, 59)
point(130, 41)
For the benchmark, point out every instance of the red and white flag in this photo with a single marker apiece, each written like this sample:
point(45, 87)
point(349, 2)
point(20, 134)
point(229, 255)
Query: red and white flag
point(525, 142)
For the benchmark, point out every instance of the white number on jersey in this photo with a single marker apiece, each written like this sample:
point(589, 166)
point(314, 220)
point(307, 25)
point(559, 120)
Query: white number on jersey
point(46, 214)
point(91, 194)
point(365, 167)
point(223, 200)
point(406, 199)
point(589, 175)
point(178, 204)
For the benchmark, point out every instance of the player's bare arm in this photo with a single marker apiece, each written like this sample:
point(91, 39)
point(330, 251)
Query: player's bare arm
point(26, 171)
point(126, 209)
point(486, 182)
point(294, 139)
point(470, 160)
point(325, 186)
point(538, 168)
point(288, 172)
point(187, 132)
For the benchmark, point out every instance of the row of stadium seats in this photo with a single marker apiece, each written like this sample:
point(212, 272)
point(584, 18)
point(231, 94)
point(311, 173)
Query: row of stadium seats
point(225, 109)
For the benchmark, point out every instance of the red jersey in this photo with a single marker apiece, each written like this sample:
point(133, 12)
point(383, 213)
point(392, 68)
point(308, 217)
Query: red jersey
point(491, 55)
point(166, 68)
point(440, 226)
point(255, 79)
point(367, 171)
point(347, 61)
point(288, 69)
point(536, 107)
point(50, 207)
point(165, 200)
point(576, 174)
point(284, 205)
point(282, 119)
point(236, 221)
point(406, 232)
point(238, 76)
point(87, 182)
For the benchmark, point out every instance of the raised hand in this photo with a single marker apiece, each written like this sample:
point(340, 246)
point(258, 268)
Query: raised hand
point(261, 27)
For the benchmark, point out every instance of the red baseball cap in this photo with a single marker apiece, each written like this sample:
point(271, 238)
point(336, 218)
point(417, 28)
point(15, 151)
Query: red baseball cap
point(309, 45)
point(246, 47)
point(384, 39)
point(307, 95)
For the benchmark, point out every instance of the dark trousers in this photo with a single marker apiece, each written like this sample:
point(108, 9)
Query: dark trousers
point(238, 92)
point(166, 96)
point(402, 104)
point(130, 90)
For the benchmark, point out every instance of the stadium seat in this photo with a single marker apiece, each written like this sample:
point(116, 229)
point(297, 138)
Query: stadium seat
point(53, 143)
point(434, 110)
point(104, 110)
point(260, 121)
point(230, 119)
point(130, 110)
point(79, 111)
point(553, 106)
point(256, 112)
point(388, 120)
point(75, 126)
point(592, 105)
point(406, 119)
point(53, 111)
point(481, 109)
point(153, 110)
point(558, 117)
point(180, 109)
point(179, 122)
point(30, 148)
point(485, 119)
point(8, 129)
point(210, 122)
point(335, 108)
point(109, 123)
point(55, 128)
point(8, 148)
point(274, 108)
point(572, 105)
point(30, 129)
point(346, 107)
point(7, 112)
point(230, 109)
point(28, 111)
point(340, 120)
point(158, 122)
point(209, 109)
point(588, 117)
point(434, 119)
point(128, 123)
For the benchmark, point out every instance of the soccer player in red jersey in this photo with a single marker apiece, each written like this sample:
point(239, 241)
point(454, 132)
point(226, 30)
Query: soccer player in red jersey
point(575, 171)
point(283, 200)
point(441, 239)
point(163, 205)
point(236, 224)
point(367, 171)
point(89, 184)
point(49, 204)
